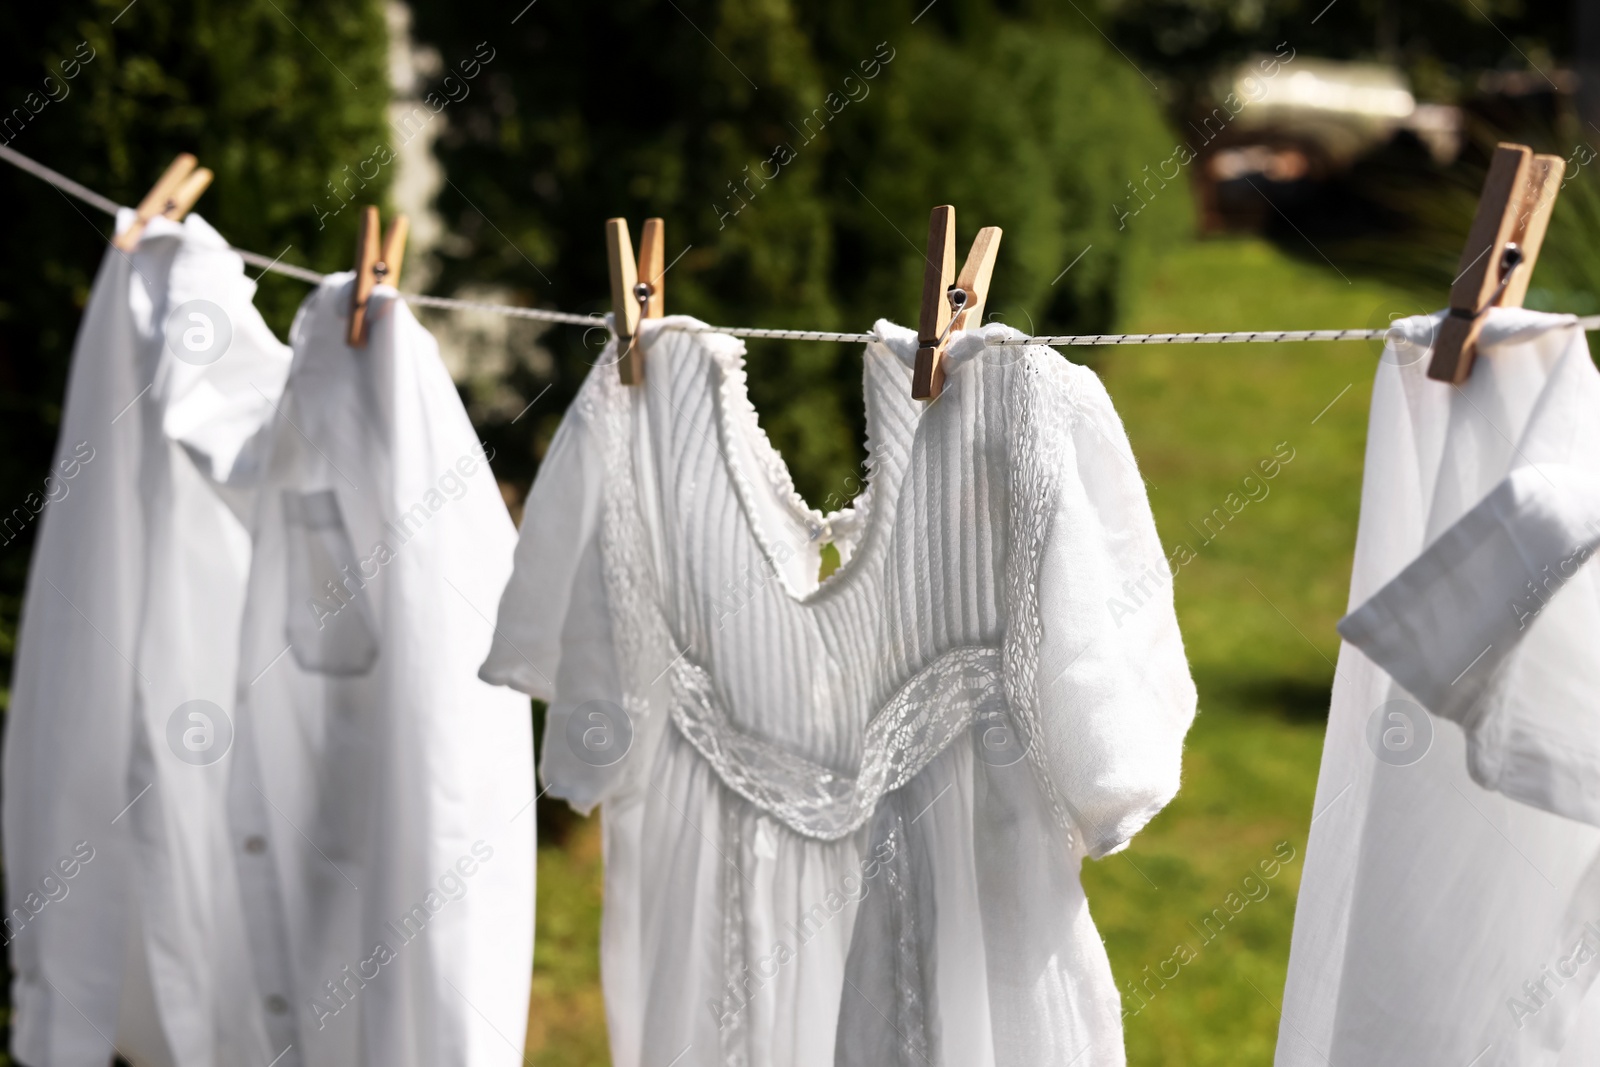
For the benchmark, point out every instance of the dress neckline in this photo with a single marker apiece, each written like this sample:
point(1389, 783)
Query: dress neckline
point(886, 384)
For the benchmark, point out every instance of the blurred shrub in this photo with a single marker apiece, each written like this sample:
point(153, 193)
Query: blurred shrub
point(111, 92)
point(794, 152)
point(1039, 130)
point(1567, 276)
point(1418, 213)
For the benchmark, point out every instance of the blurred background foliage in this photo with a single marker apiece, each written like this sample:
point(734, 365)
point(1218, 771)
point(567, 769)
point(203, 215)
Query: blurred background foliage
point(1444, 46)
point(108, 93)
point(794, 151)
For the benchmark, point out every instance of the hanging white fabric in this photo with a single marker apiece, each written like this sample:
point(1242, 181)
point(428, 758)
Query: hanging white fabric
point(844, 818)
point(382, 802)
point(124, 922)
point(1494, 626)
point(1440, 921)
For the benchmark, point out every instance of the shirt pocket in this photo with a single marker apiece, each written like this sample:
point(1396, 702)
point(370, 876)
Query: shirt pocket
point(329, 623)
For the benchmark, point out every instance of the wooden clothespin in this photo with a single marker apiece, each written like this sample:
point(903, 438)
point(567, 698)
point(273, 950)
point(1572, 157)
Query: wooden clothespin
point(375, 264)
point(173, 194)
point(1502, 249)
point(949, 303)
point(637, 289)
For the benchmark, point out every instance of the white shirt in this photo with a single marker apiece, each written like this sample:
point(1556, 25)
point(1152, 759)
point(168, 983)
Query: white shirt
point(1440, 921)
point(116, 744)
point(381, 805)
point(1494, 625)
point(843, 820)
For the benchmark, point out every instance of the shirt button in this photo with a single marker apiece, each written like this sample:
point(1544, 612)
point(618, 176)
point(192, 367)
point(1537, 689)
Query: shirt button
point(277, 1005)
point(255, 844)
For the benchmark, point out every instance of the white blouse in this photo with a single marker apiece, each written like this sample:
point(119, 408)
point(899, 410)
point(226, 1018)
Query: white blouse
point(843, 819)
point(1442, 920)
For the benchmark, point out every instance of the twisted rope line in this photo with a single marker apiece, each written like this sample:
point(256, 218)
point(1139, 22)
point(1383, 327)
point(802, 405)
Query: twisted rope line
point(290, 270)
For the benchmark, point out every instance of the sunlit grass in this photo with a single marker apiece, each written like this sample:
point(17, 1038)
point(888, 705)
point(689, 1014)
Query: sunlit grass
point(1257, 603)
point(566, 1016)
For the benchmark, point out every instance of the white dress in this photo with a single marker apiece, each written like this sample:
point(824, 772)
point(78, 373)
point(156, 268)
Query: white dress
point(123, 916)
point(843, 822)
point(1444, 917)
point(381, 804)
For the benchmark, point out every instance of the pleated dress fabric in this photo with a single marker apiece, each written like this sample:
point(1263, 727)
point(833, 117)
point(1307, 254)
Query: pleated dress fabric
point(843, 819)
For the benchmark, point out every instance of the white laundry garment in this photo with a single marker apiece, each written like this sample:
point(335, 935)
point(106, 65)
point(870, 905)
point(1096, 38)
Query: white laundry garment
point(843, 820)
point(1439, 921)
point(382, 801)
point(1494, 625)
point(117, 741)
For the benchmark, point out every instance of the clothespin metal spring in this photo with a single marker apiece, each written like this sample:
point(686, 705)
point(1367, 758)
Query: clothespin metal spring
point(1510, 260)
point(958, 300)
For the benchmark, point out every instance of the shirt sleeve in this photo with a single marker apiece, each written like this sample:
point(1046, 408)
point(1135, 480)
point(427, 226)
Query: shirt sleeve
point(1493, 626)
point(1114, 693)
point(553, 639)
point(221, 378)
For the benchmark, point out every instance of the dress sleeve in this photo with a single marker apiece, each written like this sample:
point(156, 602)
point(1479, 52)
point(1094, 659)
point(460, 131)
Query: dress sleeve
point(553, 639)
point(1114, 694)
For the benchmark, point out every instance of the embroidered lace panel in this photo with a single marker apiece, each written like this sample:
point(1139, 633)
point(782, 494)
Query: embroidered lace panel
point(1038, 457)
point(919, 721)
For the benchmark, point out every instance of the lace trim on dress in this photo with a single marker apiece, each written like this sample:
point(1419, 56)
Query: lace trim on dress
point(1045, 410)
point(638, 627)
point(889, 1006)
point(915, 943)
point(733, 1029)
point(918, 722)
point(737, 415)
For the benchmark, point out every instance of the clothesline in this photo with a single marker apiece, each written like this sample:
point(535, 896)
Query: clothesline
point(290, 270)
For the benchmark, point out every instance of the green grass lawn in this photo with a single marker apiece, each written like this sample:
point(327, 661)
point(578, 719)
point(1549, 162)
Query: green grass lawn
point(1258, 603)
